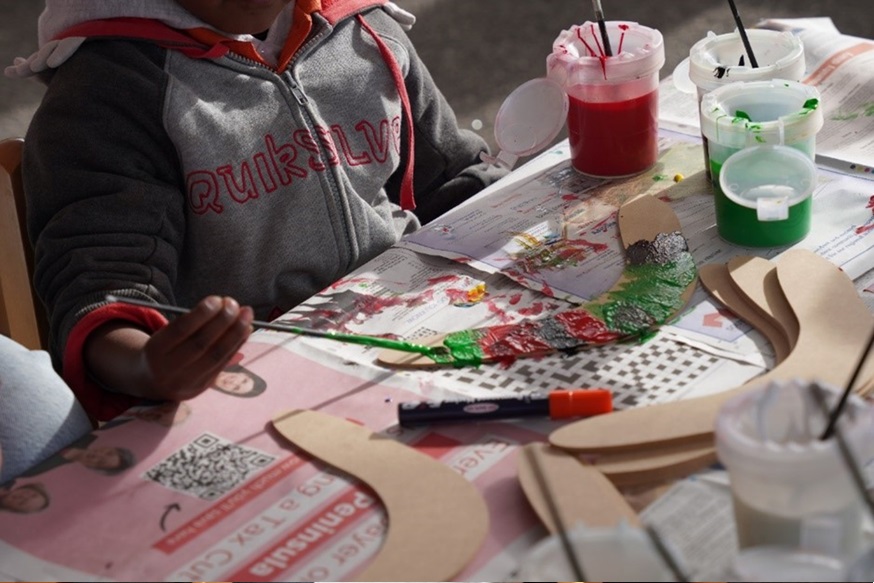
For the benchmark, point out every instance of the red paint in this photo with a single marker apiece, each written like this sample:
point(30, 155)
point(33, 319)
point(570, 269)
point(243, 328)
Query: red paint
point(615, 138)
point(583, 325)
point(511, 340)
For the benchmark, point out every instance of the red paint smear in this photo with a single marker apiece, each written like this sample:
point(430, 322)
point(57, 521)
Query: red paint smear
point(534, 310)
point(569, 197)
point(866, 228)
point(583, 243)
point(513, 339)
point(442, 279)
point(580, 36)
point(457, 296)
point(501, 314)
point(583, 325)
point(515, 299)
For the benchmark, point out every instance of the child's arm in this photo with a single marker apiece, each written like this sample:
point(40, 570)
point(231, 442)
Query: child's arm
point(177, 362)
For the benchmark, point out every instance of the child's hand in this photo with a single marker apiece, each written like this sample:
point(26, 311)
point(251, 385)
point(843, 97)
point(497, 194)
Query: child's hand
point(184, 357)
point(177, 362)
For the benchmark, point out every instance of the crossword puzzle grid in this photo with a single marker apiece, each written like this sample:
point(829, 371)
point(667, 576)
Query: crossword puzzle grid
point(638, 374)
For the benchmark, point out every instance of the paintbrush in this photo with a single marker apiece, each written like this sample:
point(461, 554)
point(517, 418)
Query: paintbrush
point(833, 418)
point(557, 521)
point(432, 351)
point(743, 34)
point(599, 16)
point(856, 474)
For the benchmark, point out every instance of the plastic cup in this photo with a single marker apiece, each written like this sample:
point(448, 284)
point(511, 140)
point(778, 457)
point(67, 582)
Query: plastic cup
point(764, 199)
point(789, 487)
point(786, 564)
point(746, 114)
point(622, 553)
point(612, 119)
point(714, 61)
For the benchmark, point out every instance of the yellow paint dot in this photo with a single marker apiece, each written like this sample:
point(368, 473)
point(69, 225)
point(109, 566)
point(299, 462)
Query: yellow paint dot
point(678, 177)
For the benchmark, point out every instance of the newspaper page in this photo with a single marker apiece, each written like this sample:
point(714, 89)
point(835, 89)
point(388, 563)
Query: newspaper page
point(212, 493)
point(841, 67)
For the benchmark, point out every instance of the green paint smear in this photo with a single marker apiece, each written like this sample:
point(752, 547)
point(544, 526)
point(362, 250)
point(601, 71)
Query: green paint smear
point(659, 177)
point(653, 290)
point(464, 348)
point(376, 341)
point(739, 115)
point(811, 104)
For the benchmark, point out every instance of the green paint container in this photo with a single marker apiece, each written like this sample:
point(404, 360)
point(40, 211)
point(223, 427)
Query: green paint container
point(764, 198)
point(743, 115)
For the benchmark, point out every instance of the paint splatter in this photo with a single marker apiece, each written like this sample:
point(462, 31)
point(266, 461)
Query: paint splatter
point(869, 226)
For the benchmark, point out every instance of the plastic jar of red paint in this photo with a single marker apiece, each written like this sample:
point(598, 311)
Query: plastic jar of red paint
point(612, 116)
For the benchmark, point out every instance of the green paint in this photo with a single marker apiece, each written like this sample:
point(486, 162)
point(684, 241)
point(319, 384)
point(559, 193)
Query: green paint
point(741, 115)
point(659, 177)
point(464, 348)
point(654, 291)
point(375, 341)
point(811, 104)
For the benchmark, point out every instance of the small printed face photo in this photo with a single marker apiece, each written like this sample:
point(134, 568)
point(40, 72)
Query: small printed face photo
point(26, 499)
point(103, 459)
point(239, 381)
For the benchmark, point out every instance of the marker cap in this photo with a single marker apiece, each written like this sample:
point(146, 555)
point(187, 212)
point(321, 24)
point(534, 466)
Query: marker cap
point(564, 404)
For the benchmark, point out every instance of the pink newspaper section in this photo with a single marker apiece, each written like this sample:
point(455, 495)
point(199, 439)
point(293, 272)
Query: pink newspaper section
point(221, 496)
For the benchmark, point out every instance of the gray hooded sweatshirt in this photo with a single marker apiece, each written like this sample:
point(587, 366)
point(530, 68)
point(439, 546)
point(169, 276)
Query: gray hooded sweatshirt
point(170, 162)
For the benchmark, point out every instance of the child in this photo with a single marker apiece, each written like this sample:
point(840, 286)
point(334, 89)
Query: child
point(210, 153)
point(38, 413)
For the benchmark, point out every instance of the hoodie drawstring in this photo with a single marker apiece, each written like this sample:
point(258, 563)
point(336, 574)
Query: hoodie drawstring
point(408, 200)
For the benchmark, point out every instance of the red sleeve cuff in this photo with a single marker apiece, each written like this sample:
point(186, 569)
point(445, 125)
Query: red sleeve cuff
point(99, 403)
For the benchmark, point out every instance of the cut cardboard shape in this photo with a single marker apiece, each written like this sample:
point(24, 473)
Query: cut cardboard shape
point(756, 278)
point(834, 326)
point(656, 466)
point(581, 494)
point(650, 231)
point(437, 520)
point(716, 278)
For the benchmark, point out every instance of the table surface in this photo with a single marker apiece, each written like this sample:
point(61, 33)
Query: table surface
point(219, 495)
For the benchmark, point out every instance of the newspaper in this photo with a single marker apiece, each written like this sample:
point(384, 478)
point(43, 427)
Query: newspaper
point(841, 67)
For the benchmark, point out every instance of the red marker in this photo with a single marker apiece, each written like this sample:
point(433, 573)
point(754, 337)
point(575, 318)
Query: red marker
point(558, 404)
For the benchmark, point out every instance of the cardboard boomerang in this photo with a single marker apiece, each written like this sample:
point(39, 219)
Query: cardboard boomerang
point(437, 520)
point(834, 326)
point(656, 466)
point(580, 492)
point(717, 279)
point(657, 282)
point(756, 278)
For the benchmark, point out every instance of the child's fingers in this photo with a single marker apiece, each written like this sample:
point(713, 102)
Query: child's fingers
point(183, 327)
point(184, 365)
point(212, 363)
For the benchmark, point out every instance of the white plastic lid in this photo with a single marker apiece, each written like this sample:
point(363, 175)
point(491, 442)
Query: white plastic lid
point(769, 179)
point(777, 112)
point(714, 60)
point(528, 120)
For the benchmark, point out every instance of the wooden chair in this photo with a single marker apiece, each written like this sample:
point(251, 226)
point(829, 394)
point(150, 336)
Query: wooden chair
point(22, 316)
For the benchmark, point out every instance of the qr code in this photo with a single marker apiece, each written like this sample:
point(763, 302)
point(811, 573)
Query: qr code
point(208, 467)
